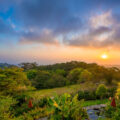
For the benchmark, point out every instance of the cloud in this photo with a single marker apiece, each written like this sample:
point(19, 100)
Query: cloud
point(103, 31)
point(104, 19)
point(55, 15)
point(46, 37)
point(77, 23)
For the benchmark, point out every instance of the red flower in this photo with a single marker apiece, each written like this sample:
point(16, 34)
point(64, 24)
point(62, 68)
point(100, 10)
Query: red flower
point(113, 103)
point(30, 105)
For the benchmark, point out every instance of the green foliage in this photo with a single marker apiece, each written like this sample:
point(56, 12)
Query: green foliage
point(13, 80)
point(95, 102)
point(93, 95)
point(5, 104)
point(85, 76)
point(74, 74)
point(56, 81)
point(111, 74)
point(101, 90)
point(81, 95)
point(66, 108)
point(43, 102)
point(41, 78)
point(33, 114)
point(111, 92)
point(28, 66)
point(60, 72)
point(31, 74)
point(112, 112)
point(87, 95)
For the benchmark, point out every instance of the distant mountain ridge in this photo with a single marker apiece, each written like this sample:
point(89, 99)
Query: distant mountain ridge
point(2, 65)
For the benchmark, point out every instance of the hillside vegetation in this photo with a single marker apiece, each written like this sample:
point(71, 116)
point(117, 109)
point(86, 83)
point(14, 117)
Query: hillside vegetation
point(26, 92)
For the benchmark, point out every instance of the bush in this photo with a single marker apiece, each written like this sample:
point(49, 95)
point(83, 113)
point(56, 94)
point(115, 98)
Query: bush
point(92, 95)
point(113, 112)
point(80, 95)
point(42, 102)
point(101, 90)
point(111, 92)
point(5, 105)
point(34, 114)
point(87, 95)
point(109, 111)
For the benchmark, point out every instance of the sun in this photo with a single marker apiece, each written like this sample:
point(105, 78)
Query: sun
point(104, 56)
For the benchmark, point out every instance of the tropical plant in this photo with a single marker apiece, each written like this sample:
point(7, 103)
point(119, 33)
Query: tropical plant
point(66, 108)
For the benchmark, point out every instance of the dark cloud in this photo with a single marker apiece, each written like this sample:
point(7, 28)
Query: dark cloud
point(43, 21)
point(53, 14)
point(100, 30)
point(45, 37)
point(44, 14)
point(104, 32)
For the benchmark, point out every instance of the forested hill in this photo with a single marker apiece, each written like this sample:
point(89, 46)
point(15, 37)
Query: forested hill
point(63, 74)
point(74, 72)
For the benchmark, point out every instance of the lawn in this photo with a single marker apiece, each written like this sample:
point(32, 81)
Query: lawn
point(95, 102)
point(61, 90)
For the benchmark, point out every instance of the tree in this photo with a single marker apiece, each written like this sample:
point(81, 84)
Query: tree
point(28, 66)
point(60, 72)
point(109, 75)
point(41, 79)
point(85, 76)
point(101, 90)
point(56, 81)
point(74, 74)
point(13, 80)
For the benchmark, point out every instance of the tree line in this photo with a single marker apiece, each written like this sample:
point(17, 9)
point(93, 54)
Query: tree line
point(69, 73)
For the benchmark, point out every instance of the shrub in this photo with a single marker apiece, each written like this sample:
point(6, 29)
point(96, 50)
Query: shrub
point(80, 95)
point(92, 95)
point(87, 95)
point(111, 92)
point(101, 90)
point(34, 114)
point(5, 104)
point(42, 102)
point(109, 111)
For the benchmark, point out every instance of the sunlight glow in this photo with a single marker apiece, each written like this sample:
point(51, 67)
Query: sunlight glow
point(104, 56)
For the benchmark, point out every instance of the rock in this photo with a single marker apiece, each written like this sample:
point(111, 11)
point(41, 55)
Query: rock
point(95, 107)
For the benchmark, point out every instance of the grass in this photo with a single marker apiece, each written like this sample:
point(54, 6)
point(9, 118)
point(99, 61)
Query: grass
point(61, 90)
point(95, 102)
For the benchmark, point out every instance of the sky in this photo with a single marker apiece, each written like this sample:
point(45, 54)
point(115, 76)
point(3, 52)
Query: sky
point(52, 31)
